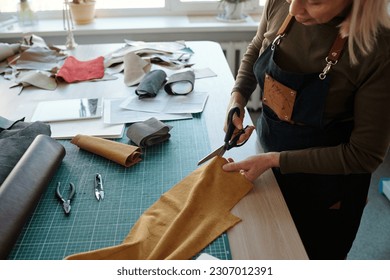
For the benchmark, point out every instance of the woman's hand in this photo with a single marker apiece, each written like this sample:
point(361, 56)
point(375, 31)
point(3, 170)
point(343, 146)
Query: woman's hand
point(253, 166)
point(237, 100)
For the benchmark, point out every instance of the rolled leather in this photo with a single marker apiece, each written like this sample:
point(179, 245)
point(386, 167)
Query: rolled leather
point(123, 154)
point(151, 84)
point(22, 189)
point(180, 83)
point(149, 132)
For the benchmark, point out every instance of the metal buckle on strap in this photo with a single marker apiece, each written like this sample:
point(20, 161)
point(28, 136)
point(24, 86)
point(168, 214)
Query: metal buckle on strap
point(277, 40)
point(329, 64)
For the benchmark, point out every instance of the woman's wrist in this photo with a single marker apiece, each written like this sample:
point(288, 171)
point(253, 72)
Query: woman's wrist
point(274, 159)
point(237, 98)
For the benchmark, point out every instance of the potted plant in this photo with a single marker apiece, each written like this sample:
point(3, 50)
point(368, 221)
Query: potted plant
point(83, 11)
point(232, 10)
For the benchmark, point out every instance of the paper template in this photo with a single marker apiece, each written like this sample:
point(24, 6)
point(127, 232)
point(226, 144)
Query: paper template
point(114, 114)
point(193, 102)
point(92, 127)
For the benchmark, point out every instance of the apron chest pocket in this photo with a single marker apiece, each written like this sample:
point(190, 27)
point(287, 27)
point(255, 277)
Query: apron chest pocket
point(279, 98)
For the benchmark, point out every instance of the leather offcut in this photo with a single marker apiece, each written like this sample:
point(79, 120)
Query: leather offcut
point(151, 84)
point(123, 154)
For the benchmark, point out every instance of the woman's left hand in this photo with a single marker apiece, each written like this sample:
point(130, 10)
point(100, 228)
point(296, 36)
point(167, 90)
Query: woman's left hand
point(253, 166)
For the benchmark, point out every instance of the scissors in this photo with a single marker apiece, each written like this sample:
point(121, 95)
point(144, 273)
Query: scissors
point(229, 133)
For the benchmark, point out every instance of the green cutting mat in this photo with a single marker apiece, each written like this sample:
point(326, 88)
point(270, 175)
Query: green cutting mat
point(49, 234)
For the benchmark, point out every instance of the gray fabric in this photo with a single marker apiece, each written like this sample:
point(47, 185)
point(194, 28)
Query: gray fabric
point(151, 84)
point(148, 133)
point(14, 141)
point(6, 123)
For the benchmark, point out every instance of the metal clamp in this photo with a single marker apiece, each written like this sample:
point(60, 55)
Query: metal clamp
point(328, 66)
point(277, 40)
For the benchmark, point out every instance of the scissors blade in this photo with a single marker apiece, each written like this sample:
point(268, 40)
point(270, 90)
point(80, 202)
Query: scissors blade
point(99, 192)
point(218, 152)
point(99, 195)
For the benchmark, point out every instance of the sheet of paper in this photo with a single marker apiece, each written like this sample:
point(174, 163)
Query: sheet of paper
point(204, 73)
point(93, 127)
point(193, 102)
point(68, 110)
point(114, 114)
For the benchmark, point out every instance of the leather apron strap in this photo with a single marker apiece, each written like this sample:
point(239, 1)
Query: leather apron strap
point(333, 55)
point(285, 25)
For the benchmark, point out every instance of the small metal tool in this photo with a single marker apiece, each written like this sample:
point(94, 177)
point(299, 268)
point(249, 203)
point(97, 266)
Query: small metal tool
point(99, 192)
point(66, 202)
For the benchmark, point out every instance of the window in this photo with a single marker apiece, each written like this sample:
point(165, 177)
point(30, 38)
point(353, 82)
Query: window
point(128, 7)
point(53, 5)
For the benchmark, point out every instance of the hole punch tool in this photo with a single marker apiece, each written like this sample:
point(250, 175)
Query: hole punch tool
point(229, 141)
point(66, 202)
point(99, 192)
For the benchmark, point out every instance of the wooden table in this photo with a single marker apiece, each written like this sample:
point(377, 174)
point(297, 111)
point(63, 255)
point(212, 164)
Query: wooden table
point(267, 230)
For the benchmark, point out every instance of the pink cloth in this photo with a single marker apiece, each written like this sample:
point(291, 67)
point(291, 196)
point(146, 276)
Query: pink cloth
point(74, 70)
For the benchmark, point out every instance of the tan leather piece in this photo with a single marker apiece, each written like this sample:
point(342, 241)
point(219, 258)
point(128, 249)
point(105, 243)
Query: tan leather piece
point(126, 155)
point(285, 25)
point(336, 206)
point(279, 98)
point(184, 220)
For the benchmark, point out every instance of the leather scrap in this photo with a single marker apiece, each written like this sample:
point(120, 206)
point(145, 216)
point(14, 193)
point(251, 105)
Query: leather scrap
point(123, 154)
point(135, 69)
point(149, 132)
point(180, 83)
point(151, 83)
point(15, 138)
point(7, 50)
point(74, 70)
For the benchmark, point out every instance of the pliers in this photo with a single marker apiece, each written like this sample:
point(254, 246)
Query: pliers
point(66, 202)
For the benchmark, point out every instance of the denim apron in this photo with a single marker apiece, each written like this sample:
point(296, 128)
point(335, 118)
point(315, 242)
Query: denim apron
point(326, 209)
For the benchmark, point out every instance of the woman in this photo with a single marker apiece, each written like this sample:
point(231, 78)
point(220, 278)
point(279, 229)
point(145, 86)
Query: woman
point(323, 67)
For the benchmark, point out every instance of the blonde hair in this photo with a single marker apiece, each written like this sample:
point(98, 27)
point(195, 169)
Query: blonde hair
point(363, 24)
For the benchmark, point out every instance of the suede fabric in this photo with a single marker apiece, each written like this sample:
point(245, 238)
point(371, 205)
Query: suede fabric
point(74, 70)
point(184, 220)
point(15, 138)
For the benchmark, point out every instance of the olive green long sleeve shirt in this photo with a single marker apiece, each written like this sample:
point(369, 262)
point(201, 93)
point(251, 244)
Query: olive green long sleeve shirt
point(359, 92)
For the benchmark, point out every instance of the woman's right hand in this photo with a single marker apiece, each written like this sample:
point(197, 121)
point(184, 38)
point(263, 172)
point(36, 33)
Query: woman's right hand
point(237, 100)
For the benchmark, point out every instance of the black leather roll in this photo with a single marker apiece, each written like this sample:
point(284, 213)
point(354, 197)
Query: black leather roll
point(22, 189)
point(151, 84)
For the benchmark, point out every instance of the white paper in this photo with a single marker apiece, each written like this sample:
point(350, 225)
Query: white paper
point(93, 127)
point(193, 102)
point(68, 109)
point(114, 114)
point(204, 73)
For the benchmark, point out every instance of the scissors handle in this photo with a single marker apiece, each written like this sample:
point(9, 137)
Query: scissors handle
point(233, 142)
point(231, 127)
